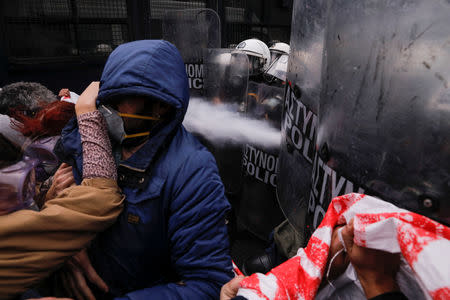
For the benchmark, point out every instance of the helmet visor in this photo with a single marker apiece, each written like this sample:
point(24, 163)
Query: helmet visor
point(256, 65)
point(278, 67)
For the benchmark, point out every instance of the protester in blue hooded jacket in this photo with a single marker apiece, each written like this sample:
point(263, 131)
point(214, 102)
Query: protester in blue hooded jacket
point(170, 242)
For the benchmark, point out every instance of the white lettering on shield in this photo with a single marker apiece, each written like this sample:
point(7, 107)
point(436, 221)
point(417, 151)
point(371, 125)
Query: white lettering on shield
point(260, 165)
point(195, 75)
point(299, 125)
point(326, 185)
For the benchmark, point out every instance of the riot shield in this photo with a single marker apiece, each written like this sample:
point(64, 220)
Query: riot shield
point(226, 80)
point(267, 105)
point(192, 31)
point(385, 110)
point(259, 211)
point(299, 120)
point(226, 76)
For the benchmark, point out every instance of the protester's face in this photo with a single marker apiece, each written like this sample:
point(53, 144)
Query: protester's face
point(133, 106)
point(140, 106)
point(341, 262)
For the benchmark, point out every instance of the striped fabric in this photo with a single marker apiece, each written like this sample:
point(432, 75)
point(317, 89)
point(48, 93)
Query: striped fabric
point(424, 244)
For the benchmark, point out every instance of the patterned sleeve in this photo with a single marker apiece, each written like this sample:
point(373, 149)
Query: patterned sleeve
point(98, 160)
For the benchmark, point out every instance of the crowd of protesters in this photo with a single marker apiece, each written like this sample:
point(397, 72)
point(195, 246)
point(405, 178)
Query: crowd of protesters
point(107, 196)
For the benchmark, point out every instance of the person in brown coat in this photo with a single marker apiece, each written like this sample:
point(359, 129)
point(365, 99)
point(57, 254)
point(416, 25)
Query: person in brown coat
point(34, 244)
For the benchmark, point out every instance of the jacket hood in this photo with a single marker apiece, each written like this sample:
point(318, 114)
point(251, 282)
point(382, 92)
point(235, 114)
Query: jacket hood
point(151, 68)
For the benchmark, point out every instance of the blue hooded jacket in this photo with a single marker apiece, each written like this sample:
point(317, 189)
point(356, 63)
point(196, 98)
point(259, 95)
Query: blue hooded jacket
point(170, 242)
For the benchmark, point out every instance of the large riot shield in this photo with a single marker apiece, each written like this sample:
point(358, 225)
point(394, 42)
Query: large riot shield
point(226, 76)
point(226, 80)
point(299, 120)
point(192, 31)
point(385, 112)
point(259, 211)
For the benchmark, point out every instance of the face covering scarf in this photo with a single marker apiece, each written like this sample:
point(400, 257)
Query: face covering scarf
point(422, 243)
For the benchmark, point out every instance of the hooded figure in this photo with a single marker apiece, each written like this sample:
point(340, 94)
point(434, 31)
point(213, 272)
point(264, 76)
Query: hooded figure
point(170, 242)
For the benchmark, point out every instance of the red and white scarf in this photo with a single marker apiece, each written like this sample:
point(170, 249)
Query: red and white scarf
point(424, 244)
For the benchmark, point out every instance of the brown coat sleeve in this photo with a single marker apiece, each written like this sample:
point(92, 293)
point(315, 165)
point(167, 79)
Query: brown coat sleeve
point(34, 244)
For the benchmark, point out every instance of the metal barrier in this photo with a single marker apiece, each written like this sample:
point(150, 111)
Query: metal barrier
point(63, 28)
point(58, 33)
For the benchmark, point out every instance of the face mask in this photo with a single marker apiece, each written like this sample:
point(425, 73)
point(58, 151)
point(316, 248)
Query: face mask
point(17, 186)
point(115, 125)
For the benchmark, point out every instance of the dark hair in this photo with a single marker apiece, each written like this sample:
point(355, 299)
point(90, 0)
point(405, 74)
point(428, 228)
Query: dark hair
point(25, 96)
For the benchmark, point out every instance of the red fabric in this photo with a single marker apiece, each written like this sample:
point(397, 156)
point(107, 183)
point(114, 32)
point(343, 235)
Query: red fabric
point(236, 270)
point(49, 121)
